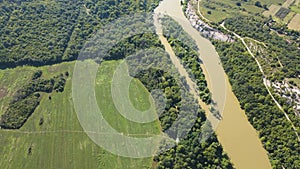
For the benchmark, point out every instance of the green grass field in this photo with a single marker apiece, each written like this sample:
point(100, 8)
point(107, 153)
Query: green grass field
point(60, 141)
point(139, 95)
point(121, 124)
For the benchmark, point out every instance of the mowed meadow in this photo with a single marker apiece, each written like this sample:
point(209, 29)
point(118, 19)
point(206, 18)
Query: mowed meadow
point(60, 142)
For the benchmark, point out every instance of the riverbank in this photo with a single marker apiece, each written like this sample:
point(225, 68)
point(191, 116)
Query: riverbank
point(204, 29)
point(238, 138)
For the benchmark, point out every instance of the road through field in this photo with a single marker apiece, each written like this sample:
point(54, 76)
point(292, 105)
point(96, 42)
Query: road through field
point(238, 138)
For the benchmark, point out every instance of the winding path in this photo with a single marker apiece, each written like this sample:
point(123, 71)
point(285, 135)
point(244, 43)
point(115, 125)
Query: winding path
point(259, 65)
point(200, 14)
point(264, 77)
point(69, 131)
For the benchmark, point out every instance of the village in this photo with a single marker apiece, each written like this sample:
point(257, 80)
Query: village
point(288, 91)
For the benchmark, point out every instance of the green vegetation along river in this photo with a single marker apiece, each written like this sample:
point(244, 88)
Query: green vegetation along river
point(239, 139)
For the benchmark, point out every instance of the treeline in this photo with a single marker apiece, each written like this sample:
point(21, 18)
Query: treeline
point(181, 117)
point(47, 32)
point(185, 48)
point(193, 150)
point(36, 32)
point(26, 99)
point(275, 131)
point(191, 153)
point(133, 44)
point(154, 78)
point(284, 48)
point(122, 38)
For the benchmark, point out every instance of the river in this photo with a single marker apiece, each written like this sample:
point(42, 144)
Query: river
point(238, 138)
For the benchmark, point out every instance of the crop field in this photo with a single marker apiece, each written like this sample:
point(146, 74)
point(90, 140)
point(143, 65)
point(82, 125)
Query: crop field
point(286, 13)
point(289, 17)
point(273, 9)
point(295, 8)
point(60, 142)
point(219, 10)
point(278, 10)
point(282, 13)
point(269, 2)
point(295, 23)
point(287, 3)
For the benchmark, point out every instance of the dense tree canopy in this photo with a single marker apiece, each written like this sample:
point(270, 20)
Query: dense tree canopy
point(192, 151)
point(275, 131)
point(285, 48)
point(38, 32)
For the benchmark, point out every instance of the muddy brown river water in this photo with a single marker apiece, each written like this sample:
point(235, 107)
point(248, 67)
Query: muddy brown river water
point(238, 138)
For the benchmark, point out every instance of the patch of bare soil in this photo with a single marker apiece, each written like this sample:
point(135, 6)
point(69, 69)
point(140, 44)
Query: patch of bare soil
point(3, 92)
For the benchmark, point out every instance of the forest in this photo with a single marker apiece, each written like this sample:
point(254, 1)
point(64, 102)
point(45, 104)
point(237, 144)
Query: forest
point(275, 131)
point(198, 146)
point(39, 33)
